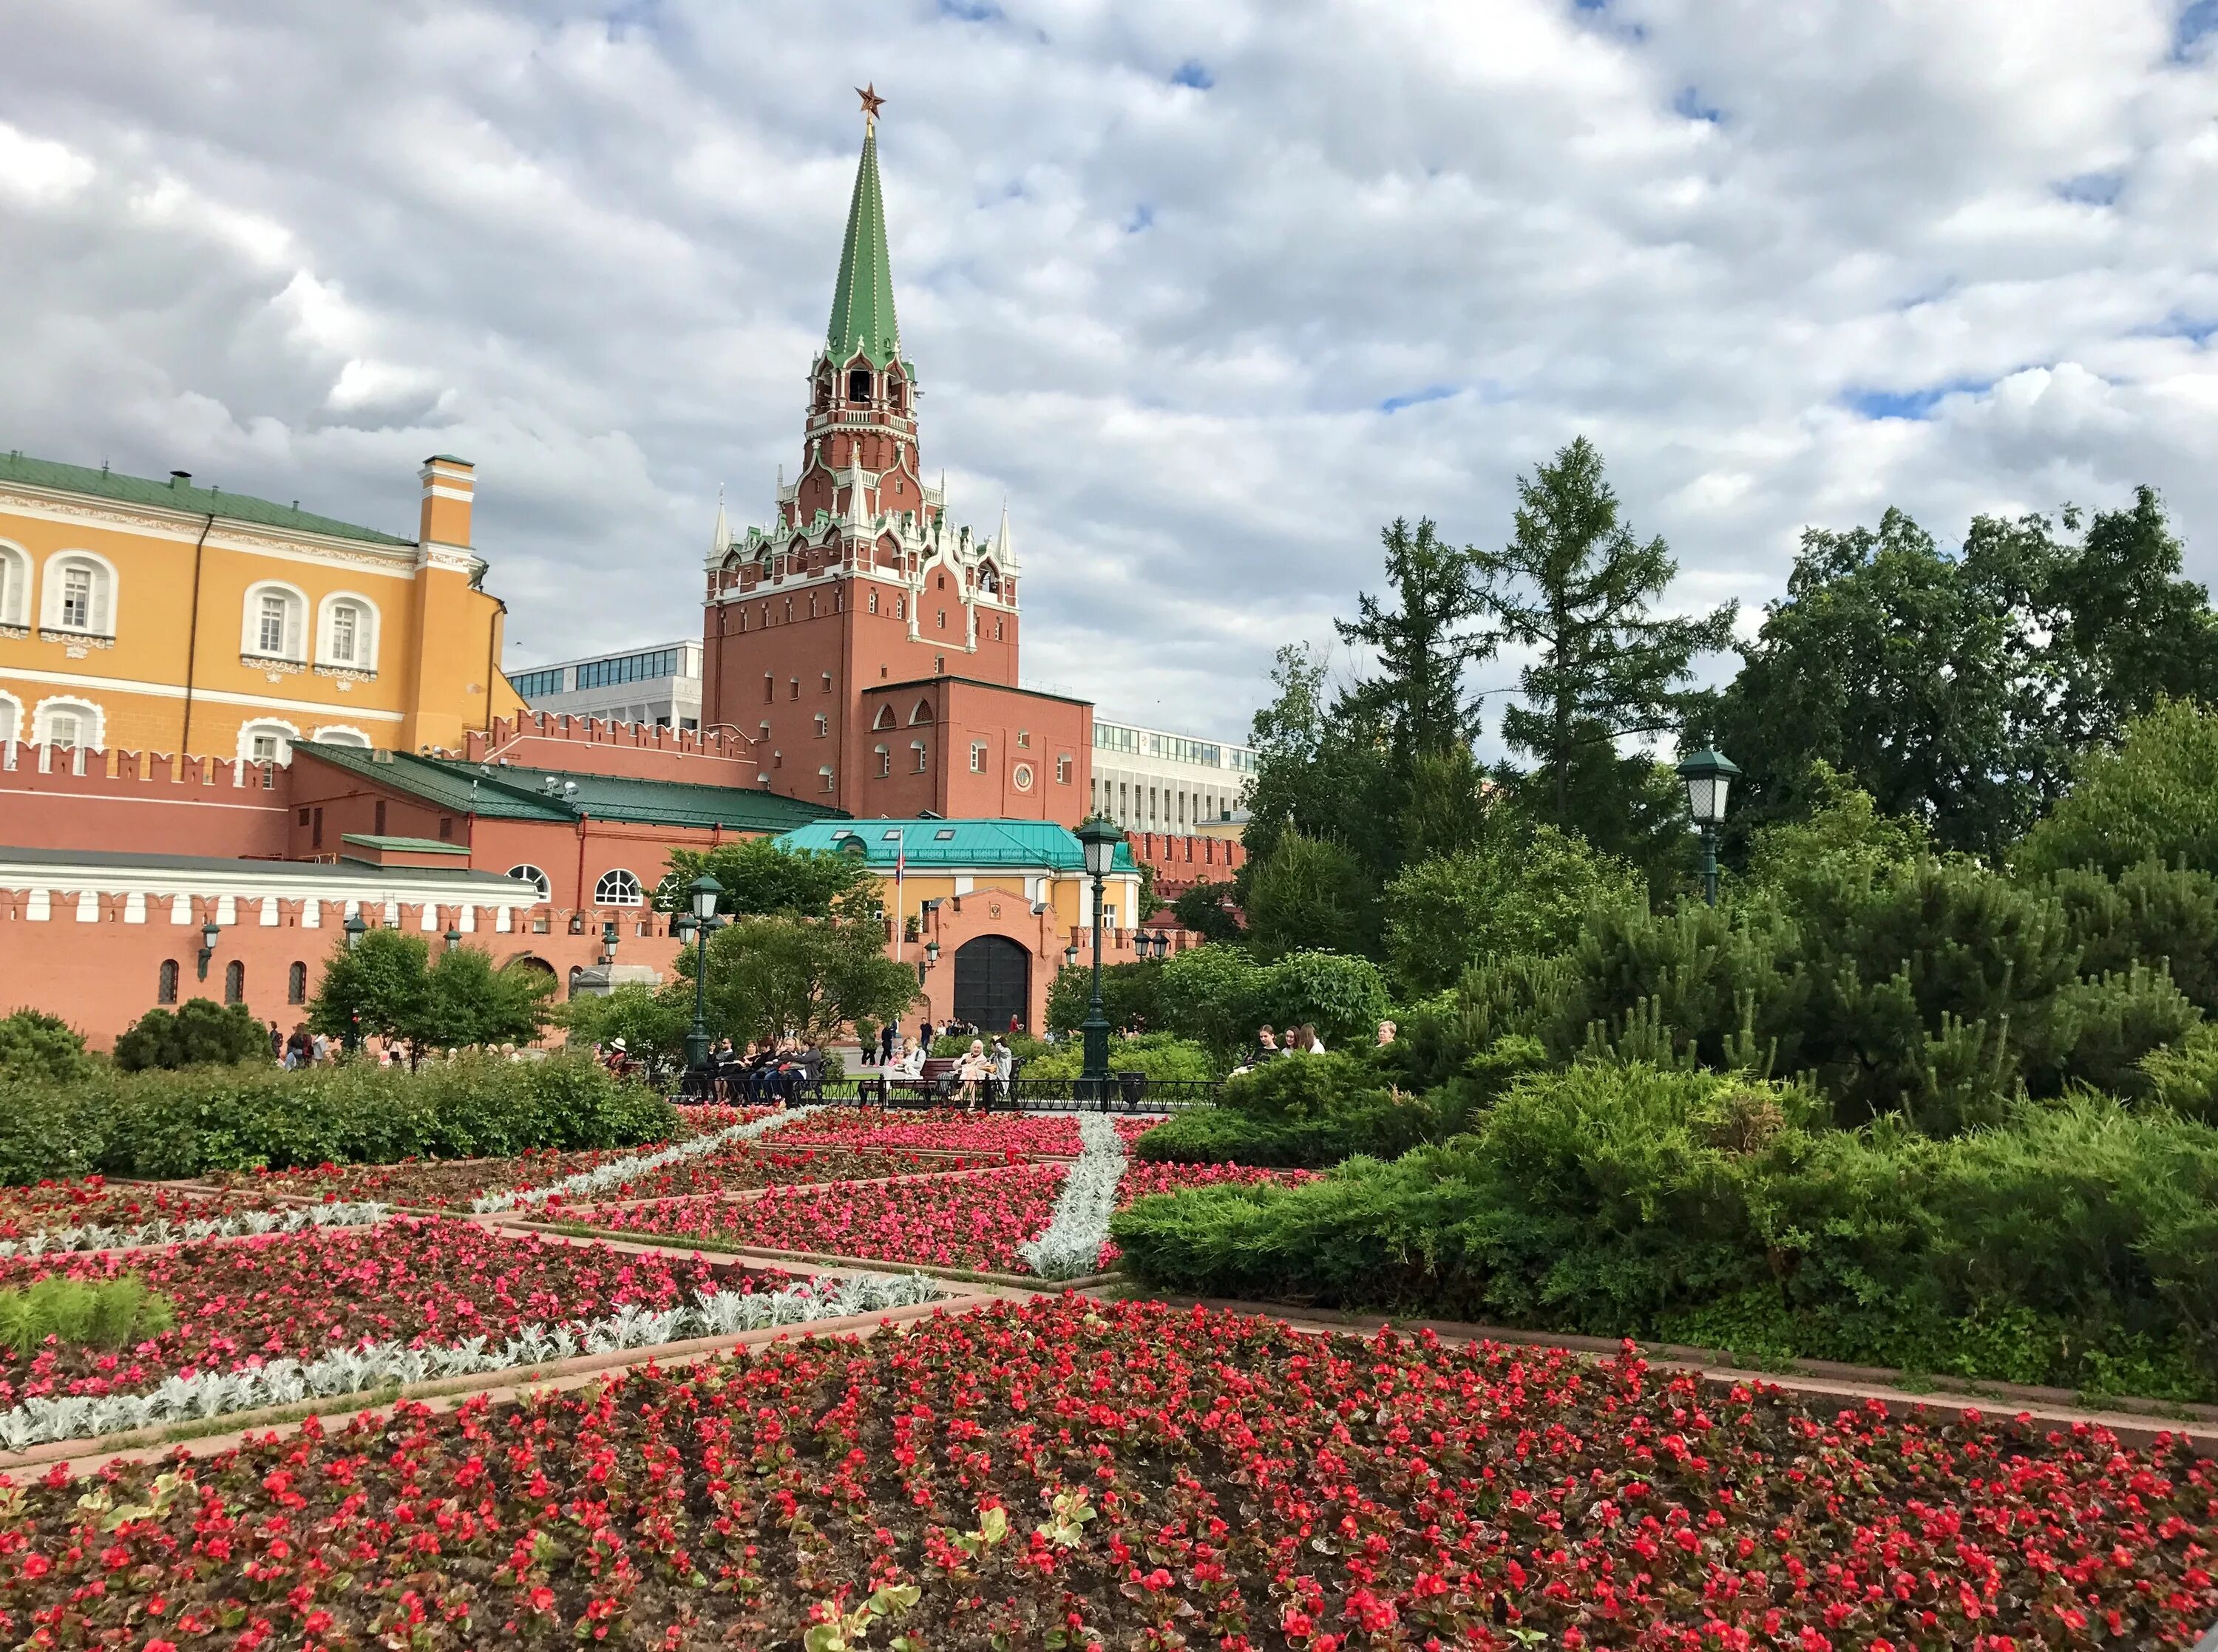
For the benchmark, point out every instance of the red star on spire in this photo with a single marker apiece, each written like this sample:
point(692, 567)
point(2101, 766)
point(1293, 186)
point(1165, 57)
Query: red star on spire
point(871, 102)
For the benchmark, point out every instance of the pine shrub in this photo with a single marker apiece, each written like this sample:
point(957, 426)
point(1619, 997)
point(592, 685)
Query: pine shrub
point(105, 1314)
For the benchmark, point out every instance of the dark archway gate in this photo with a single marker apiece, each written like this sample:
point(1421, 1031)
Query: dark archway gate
point(993, 981)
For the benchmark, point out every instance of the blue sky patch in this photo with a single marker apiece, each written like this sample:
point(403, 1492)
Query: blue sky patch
point(1194, 73)
point(970, 11)
point(2197, 19)
point(2091, 188)
point(1689, 104)
point(1417, 398)
point(1908, 404)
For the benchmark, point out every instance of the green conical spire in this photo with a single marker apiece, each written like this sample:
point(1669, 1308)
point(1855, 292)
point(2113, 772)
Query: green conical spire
point(863, 302)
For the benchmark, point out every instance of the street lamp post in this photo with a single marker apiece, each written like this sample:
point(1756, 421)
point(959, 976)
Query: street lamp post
point(1099, 837)
point(453, 938)
point(355, 929)
point(1709, 775)
point(704, 893)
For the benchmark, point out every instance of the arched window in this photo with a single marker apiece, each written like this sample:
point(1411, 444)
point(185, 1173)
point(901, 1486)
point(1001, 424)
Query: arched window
point(274, 626)
point(918, 747)
point(66, 724)
point(576, 971)
point(340, 734)
point(346, 633)
point(859, 385)
point(618, 889)
point(922, 714)
point(885, 759)
point(166, 982)
point(80, 594)
point(234, 982)
point(885, 718)
point(874, 601)
point(15, 586)
point(825, 775)
point(296, 984)
point(267, 740)
point(529, 874)
point(823, 724)
point(11, 718)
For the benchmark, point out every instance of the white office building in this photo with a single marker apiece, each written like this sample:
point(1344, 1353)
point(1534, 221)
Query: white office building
point(659, 685)
point(1148, 780)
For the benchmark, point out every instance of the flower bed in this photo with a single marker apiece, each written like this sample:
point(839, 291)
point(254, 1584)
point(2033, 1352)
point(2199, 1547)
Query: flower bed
point(455, 1185)
point(50, 1207)
point(976, 1221)
point(420, 1281)
point(1067, 1473)
point(1024, 1135)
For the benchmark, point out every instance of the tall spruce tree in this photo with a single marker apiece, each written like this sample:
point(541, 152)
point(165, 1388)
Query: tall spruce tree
point(1574, 585)
point(1422, 644)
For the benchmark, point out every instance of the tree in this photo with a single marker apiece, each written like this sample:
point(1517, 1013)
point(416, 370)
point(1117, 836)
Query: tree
point(807, 976)
point(1422, 647)
point(1321, 770)
point(33, 1044)
point(1310, 893)
point(373, 989)
point(759, 877)
point(1204, 909)
point(1529, 891)
point(2155, 799)
point(652, 1024)
point(1965, 690)
point(1576, 586)
point(1131, 994)
point(202, 1033)
point(467, 1001)
point(1844, 838)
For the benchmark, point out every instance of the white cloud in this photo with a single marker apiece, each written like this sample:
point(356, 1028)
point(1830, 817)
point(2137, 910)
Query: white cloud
point(1210, 293)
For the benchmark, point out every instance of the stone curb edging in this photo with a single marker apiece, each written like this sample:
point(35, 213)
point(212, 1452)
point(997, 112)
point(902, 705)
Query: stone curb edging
point(1850, 1385)
point(444, 1393)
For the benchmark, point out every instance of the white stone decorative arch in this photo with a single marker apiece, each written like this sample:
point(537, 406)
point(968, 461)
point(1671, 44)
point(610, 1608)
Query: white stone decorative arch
point(343, 734)
point(104, 590)
point(91, 732)
point(12, 717)
point(14, 584)
point(369, 622)
point(284, 733)
point(291, 641)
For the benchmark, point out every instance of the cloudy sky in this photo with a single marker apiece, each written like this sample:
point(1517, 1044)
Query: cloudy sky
point(1209, 292)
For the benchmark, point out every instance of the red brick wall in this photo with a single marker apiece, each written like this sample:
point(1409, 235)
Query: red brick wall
point(137, 800)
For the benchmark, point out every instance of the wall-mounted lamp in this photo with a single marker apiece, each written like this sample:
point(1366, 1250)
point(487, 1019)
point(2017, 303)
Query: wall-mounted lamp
point(608, 941)
point(453, 938)
point(355, 928)
point(210, 934)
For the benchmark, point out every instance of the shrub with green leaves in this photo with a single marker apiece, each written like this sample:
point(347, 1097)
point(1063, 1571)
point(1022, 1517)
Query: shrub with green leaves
point(199, 1032)
point(36, 1045)
point(163, 1124)
point(1161, 1055)
point(2073, 1243)
point(105, 1314)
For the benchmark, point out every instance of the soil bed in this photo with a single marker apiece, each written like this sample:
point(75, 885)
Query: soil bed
point(422, 1282)
point(1067, 1473)
point(51, 1207)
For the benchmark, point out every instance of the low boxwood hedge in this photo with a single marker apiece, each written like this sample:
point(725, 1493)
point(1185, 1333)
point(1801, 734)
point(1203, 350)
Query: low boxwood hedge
point(177, 1123)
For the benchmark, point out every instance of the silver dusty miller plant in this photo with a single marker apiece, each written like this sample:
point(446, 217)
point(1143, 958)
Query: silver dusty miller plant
point(617, 1172)
point(1070, 1245)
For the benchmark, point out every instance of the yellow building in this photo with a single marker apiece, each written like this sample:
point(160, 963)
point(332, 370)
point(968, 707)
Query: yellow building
point(160, 617)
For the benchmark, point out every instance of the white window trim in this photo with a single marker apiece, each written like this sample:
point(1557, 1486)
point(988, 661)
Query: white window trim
point(296, 621)
point(11, 718)
point(17, 577)
point(637, 898)
point(343, 735)
point(538, 879)
point(106, 593)
point(41, 717)
point(369, 623)
point(247, 731)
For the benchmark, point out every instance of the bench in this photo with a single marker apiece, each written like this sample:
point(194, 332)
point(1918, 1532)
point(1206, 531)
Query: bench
point(936, 1082)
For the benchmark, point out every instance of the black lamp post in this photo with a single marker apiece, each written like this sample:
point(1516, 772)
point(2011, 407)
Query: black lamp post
point(930, 958)
point(704, 893)
point(608, 940)
point(355, 929)
point(1098, 837)
point(210, 934)
point(1709, 775)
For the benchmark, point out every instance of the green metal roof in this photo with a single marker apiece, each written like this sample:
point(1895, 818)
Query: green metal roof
point(862, 301)
point(404, 845)
point(178, 495)
point(515, 793)
point(934, 845)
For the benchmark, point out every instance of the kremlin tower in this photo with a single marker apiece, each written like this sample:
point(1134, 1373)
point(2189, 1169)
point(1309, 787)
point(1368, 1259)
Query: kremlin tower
point(864, 643)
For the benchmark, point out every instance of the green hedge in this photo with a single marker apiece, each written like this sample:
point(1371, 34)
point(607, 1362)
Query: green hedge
point(2075, 1244)
point(181, 1123)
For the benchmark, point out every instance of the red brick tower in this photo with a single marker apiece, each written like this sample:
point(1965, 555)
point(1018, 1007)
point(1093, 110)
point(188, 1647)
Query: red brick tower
point(867, 646)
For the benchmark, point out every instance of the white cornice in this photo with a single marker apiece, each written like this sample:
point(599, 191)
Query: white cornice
point(183, 527)
point(262, 880)
point(215, 697)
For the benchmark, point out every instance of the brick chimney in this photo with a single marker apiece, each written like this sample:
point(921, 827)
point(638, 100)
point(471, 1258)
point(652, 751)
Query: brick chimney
point(449, 485)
